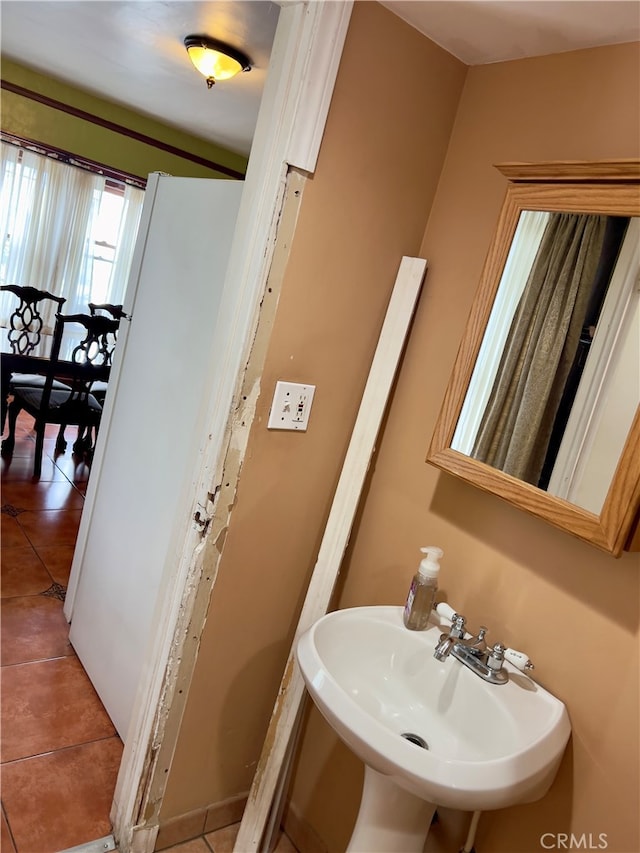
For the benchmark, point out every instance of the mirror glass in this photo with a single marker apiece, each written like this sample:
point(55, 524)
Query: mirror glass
point(542, 407)
point(556, 383)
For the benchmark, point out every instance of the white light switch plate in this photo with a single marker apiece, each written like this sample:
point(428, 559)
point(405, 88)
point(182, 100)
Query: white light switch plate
point(291, 406)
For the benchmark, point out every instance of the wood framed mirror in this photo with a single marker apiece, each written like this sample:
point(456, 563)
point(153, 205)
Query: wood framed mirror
point(543, 405)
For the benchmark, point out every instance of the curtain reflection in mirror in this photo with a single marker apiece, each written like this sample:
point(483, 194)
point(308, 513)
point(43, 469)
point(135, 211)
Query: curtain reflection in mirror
point(541, 347)
point(522, 253)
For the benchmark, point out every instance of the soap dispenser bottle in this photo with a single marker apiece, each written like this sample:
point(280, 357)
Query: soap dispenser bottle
point(420, 599)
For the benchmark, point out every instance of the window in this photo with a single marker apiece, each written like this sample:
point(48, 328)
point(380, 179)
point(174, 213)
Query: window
point(65, 229)
point(104, 241)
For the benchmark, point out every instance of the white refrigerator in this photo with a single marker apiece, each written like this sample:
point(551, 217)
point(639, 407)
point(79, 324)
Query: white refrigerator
point(144, 475)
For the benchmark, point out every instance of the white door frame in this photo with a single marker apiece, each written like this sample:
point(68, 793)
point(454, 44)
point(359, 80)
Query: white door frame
point(303, 67)
point(598, 387)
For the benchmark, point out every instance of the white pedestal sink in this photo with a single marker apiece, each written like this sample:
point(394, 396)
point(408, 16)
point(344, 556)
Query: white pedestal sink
point(485, 746)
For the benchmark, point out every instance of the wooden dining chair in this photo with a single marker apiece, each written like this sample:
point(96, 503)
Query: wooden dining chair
point(75, 404)
point(84, 441)
point(26, 334)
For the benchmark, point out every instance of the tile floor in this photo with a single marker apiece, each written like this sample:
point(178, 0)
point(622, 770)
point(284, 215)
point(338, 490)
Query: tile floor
point(222, 841)
point(60, 753)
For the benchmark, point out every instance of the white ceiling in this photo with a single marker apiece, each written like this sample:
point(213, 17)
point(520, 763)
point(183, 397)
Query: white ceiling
point(131, 51)
point(483, 31)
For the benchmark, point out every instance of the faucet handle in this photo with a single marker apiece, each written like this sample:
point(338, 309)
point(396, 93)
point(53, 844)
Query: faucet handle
point(518, 659)
point(479, 643)
point(458, 623)
point(457, 620)
point(495, 658)
point(445, 610)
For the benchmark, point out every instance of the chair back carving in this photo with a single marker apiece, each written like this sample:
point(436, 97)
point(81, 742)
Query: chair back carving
point(115, 311)
point(91, 353)
point(108, 310)
point(26, 322)
point(98, 343)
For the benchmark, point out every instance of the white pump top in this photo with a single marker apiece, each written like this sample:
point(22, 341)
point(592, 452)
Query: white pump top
point(430, 566)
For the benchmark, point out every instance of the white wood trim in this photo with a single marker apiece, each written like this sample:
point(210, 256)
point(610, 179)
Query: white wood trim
point(273, 761)
point(300, 26)
point(323, 50)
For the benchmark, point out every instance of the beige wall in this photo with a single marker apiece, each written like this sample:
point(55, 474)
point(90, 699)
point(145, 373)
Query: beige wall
point(364, 208)
point(571, 607)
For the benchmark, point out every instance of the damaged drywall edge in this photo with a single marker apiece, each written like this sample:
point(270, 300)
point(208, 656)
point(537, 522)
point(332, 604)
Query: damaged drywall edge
point(271, 731)
point(207, 555)
point(243, 420)
point(184, 643)
point(184, 648)
point(244, 412)
point(285, 225)
point(183, 653)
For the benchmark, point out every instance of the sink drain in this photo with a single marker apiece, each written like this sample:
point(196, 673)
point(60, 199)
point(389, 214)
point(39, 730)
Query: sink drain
point(413, 738)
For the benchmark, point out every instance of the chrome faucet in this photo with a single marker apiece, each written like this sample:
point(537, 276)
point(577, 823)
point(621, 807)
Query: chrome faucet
point(473, 652)
point(447, 641)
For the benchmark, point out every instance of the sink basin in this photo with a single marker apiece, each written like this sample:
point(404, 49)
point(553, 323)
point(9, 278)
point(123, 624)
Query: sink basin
point(486, 746)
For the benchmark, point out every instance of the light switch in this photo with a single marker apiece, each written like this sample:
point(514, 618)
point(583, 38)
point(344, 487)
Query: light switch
point(291, 406)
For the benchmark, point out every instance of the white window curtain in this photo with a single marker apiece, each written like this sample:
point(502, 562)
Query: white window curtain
point(49, 212)
point(125, 245)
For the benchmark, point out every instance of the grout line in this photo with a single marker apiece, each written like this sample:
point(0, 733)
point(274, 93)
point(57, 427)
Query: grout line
point(61, 749)
point(204, 838)
point(42, 660)
point(30, 546)
point(32, 594)
point(9, 830)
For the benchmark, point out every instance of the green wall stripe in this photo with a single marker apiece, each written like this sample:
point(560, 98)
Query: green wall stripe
point(53, 113)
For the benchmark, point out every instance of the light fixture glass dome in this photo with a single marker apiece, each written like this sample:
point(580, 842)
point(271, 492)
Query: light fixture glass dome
point(215, 60)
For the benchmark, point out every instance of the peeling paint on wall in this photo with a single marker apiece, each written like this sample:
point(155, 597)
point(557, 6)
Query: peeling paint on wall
point(221, 501)
point(243, 418)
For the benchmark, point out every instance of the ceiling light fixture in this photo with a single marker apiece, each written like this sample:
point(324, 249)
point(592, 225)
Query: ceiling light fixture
point(214, 59)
